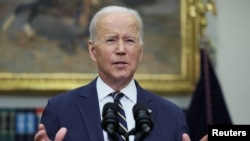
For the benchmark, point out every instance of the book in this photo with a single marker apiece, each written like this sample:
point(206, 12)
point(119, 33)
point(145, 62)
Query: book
point(20, 124)
point(11, 124)
point(7, 124)
point(4, 121)
point(31, 125)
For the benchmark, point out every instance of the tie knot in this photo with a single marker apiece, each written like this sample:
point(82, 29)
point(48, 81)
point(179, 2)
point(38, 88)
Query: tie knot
point(117, 95)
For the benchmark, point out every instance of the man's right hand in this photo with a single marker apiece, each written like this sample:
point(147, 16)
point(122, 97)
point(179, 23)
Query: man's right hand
point(41, 135)
point(185, 137)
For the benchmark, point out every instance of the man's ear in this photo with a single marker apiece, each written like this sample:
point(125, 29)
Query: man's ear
point(141, 53)
point(91, 48)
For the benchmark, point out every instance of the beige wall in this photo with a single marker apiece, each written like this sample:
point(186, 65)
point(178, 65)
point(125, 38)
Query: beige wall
point(233, 56)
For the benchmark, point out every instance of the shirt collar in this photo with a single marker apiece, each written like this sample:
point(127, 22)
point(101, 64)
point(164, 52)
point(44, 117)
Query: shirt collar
point(104, 90)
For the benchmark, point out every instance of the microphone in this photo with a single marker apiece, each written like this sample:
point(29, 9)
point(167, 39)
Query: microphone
point(144, 122)
point(110, 118)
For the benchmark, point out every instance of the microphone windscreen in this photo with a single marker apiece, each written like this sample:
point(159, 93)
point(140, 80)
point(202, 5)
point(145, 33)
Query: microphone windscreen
point(138, 107)
point(109, 106)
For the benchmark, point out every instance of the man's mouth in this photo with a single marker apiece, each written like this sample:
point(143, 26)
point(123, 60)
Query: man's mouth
point(120, 63)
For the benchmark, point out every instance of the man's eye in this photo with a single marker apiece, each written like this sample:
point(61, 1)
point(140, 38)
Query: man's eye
point(130, 41)
point(110, 40)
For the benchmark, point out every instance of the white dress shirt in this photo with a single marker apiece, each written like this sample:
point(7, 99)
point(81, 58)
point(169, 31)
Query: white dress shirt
point(128, 101)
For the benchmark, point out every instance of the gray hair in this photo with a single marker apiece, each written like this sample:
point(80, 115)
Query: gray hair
point(113, 9)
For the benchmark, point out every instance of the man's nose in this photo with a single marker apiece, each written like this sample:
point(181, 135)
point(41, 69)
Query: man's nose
point(121, 46)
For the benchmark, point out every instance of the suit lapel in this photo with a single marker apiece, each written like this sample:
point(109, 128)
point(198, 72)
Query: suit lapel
point(146, 98)
point(90, 113)
point(142, 96)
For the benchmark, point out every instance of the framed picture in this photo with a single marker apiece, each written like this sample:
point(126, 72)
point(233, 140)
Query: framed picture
point(44, 51)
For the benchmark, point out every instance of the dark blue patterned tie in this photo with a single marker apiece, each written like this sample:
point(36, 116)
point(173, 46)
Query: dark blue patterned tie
point(121, 114)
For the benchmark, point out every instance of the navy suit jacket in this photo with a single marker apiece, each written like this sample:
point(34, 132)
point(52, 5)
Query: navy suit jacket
point(78, 111)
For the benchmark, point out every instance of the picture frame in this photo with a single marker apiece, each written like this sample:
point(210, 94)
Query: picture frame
point(178, 76)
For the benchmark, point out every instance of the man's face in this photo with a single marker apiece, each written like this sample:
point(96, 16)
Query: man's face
point(117, 49)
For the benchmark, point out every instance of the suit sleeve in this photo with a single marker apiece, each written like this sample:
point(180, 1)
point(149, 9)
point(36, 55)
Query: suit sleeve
point(49, 120)
point(182, 125)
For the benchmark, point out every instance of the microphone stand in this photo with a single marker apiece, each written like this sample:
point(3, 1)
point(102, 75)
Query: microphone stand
point(139, 136)
point(113, 136)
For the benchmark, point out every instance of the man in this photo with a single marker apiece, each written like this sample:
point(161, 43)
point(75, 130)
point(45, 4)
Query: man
point(116, 46)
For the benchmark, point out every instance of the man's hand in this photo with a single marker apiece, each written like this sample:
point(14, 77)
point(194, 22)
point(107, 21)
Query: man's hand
point(185, 137)
point(41, 135)
point(204, 138)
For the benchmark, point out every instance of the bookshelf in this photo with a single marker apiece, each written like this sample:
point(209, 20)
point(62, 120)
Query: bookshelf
point(19, 124)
